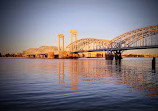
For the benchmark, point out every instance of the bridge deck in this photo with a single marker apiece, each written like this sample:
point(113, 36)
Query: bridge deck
point(115, 49)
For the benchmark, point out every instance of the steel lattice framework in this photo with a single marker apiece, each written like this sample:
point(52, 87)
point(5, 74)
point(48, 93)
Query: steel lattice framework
point(134, 38)
point(87, 44)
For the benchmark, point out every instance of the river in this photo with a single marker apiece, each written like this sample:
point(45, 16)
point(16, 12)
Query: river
point(78, 84)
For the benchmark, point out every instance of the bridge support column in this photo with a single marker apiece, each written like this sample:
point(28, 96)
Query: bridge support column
point(60, 36)
point(109, 55)
point(62, 54)
point(73, 32)
point(51, 55)
point(118, 55)
point(61, 49)
point(42, 56)
point(32, 56)
point(37, 56)
point(75, 56)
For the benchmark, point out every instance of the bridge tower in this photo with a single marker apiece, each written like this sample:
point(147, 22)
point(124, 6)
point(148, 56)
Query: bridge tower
point(60, 36)
point(73, 34)
point(61, 49)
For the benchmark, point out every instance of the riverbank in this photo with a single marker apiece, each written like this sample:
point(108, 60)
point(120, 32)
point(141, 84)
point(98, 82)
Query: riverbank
point(12, 57)
point(47, 58)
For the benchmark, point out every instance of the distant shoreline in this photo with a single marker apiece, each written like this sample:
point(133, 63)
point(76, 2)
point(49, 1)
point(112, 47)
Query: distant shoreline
point(12, 57)
point(57, 58)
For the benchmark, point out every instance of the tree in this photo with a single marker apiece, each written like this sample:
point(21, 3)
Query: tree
point(7, 55)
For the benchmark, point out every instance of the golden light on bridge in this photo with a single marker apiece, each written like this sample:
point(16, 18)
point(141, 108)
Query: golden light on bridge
point(142, 38)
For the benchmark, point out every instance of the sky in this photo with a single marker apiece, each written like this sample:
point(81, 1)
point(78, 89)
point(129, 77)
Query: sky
point(33, 23)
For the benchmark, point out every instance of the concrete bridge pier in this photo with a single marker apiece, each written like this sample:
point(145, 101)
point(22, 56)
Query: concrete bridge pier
point(118, 55)
point(51, 55)
point(109, 55)
point(62, 54)
point(75, 56)
point(42, 56)
point(32, 56)
point(37, 56)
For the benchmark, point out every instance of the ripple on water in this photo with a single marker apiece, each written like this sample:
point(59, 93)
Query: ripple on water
point(83, 84)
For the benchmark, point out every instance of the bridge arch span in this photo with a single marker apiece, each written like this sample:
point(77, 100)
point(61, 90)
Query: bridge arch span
point(87, 44)
point(135, 38)
point(146, 36)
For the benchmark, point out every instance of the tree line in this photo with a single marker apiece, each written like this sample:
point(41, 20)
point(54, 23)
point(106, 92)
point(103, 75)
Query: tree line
point(11, 55)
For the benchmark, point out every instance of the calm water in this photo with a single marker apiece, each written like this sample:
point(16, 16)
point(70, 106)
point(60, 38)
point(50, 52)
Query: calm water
point(83, 84)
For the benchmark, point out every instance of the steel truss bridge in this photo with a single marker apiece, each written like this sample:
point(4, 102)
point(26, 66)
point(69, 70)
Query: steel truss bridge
point(142, 38)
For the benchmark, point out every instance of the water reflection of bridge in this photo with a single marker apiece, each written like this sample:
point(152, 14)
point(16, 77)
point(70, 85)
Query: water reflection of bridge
point(131, 76)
